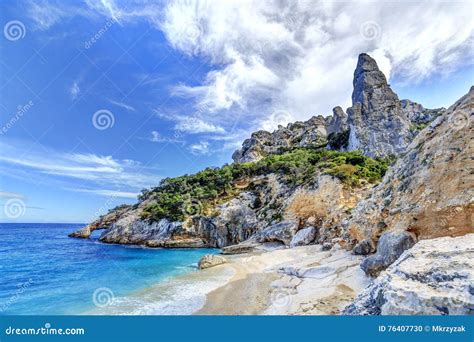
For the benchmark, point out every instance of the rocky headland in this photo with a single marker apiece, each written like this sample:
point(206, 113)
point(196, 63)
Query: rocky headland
point(367, 211)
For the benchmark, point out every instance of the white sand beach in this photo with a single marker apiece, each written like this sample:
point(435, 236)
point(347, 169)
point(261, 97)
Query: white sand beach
point(298, 281)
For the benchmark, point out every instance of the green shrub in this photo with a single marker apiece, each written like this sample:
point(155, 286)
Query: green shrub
point(215, 185)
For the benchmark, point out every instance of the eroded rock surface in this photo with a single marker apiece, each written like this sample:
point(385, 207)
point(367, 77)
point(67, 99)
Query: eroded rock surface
point(391, 245)
point(378, 125)
point(435, 277)
point(303, 237)
point(429, 190)
point(211, 260)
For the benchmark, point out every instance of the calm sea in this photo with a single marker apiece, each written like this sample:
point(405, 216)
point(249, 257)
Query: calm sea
point(42, 271)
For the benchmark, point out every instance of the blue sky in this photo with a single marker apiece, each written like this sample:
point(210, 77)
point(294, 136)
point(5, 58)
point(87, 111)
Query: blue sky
point(100, 99)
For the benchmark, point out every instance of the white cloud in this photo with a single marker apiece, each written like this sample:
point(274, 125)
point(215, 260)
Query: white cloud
point(158, 138)
point(8, 195)
point(200, 148)
point(122, 105)
point(45, 14)
point(108, 193)
point(295, 56)
point(300, 56)
point(196, 125)
point(48, 165)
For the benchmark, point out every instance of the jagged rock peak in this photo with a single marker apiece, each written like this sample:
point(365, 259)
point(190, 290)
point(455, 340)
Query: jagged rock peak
point(378, 125)
point(371, 89)
point(338, 122)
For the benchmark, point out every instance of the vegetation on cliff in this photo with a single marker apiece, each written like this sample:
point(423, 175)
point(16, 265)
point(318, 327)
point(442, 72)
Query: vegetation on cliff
point(179, 197)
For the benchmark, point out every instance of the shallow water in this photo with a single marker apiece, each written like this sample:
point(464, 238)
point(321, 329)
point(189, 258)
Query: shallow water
point(42, 271)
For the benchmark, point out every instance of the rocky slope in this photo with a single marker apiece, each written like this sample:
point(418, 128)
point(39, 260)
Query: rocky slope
point(428, 192)
point(377, 123)
point(435, 277)
point(291, 188)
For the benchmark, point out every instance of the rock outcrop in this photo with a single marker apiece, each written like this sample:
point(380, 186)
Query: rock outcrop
point(311, 133)
point(378, 125)
point(211, 260)
point(435, 277)
point(428, 192)
point(103, 222)
point(418, 114)
point(303, 237)
point(282, 232)
point(391, 246)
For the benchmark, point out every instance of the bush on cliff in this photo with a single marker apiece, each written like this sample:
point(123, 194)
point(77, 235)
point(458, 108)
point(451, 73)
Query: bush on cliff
point(174, 196)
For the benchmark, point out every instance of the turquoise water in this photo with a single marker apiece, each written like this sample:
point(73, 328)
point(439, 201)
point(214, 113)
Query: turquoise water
point(42, 271)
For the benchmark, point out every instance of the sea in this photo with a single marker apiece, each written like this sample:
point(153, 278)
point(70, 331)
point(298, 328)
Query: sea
point(44, 272)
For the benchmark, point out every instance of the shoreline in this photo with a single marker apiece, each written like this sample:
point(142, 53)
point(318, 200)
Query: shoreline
point(279, 281)
point(298, 281)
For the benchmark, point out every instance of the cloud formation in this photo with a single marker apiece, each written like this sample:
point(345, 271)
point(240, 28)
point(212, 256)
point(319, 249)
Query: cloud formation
point(299, 56)
point(102, 175)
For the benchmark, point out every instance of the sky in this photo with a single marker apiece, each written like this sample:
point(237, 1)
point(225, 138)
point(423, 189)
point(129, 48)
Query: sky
point(100, 99)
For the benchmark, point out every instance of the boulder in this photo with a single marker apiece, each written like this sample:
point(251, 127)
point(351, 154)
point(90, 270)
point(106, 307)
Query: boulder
point(282, 231)
point(303, 237)
point(210, 260)
point(364, 247)
point(326, 246)
point(240, 248)
point(391, 245)
point(434, 277)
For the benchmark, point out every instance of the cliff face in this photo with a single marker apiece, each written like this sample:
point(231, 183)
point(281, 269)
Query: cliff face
point(429, 190)
point(433, 278)
point(377, 123)
point(291, 188)
point(311, 133)
point(331, 198)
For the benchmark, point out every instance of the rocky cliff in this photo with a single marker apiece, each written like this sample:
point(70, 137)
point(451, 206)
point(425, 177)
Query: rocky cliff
point(377, 123)
point(428, 192)
point(435, 277)
point(327, 181)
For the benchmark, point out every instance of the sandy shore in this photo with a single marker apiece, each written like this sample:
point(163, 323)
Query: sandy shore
point(298, 281)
